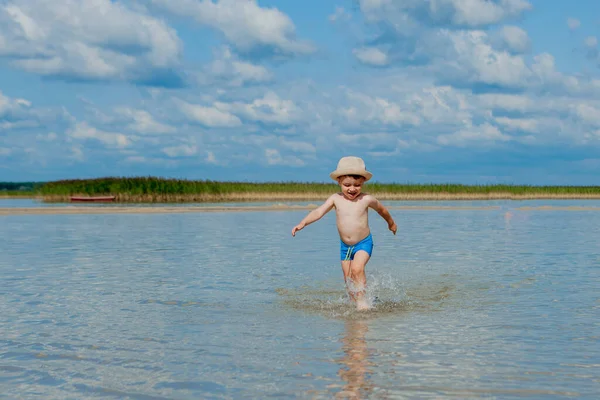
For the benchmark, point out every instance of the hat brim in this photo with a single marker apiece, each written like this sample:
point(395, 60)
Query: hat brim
point(341, 172)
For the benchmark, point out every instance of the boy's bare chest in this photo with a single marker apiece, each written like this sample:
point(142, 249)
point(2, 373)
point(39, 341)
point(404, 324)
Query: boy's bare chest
point(351, 210)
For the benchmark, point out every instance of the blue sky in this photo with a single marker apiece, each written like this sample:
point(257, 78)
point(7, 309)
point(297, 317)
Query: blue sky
point(462, 91)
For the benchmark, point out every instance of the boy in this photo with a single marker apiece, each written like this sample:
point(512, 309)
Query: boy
point(351, 207)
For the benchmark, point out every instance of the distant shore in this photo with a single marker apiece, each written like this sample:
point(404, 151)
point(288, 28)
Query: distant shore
point(139, 190)
point(249, 197)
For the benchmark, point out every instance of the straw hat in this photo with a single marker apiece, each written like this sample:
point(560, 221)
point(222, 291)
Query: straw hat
point(351, 166)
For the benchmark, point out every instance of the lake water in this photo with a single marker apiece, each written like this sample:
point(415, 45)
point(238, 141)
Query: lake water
point(481, 303)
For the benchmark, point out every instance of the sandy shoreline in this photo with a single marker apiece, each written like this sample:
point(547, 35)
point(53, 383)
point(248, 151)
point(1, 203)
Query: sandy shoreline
point(7, 211)
point(74, 210)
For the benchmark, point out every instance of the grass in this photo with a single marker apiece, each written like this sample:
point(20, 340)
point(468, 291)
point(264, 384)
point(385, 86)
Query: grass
point(153, 189)
point(15, 194)
point(18, 189)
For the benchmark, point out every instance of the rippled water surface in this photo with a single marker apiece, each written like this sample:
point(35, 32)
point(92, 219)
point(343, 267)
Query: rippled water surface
point(480, 303)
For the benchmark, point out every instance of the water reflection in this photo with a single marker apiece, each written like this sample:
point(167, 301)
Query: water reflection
point(356, 364)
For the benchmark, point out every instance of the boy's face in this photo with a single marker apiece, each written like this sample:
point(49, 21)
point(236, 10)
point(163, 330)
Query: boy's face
point(350, 186)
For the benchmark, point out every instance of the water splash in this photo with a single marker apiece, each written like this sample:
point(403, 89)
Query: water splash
point(385, 294)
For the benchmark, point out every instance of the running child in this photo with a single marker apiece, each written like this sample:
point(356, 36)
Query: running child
point(351, 207)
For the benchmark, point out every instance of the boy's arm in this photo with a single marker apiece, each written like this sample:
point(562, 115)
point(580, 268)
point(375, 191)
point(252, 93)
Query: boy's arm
point(383, 211)
point(315, 214)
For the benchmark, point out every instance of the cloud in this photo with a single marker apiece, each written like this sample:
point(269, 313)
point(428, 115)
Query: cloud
point(591, 41)
point(269, 109)
point(371, 56)
point(367, 109)
point(448, 37)
point(339, 14)
point(184, 150)
point(91, 40)
point(18, 114)
point(509, 102)
point(143, 122)
point(404, 16)
point(475, 135)
point(297, 146)
point(273, 157)
point(210, 158)
point(476, 61)
point(227, 69)
point(50, 137)
point(515, 39)
point(518, 124)
point(82, 130)
point(246, 25)
point(587, 113)
point(77, 153)
point(13, 109)
point(302, 148)
point(212, 117)
point(573, 23)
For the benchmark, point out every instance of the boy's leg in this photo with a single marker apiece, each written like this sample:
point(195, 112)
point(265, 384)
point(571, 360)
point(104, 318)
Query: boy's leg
point(346, 272)
point(358, 277)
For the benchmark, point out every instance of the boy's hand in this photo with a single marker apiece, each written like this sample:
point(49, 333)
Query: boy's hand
point(392, 227)
point(297, 228)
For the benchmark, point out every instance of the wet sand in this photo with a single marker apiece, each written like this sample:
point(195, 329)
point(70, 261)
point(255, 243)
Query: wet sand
point(184, 209)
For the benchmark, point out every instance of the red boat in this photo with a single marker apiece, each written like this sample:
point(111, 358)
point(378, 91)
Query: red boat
point(93, 198)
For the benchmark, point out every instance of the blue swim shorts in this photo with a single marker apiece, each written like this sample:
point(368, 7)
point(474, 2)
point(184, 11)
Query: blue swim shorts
point(348, 251)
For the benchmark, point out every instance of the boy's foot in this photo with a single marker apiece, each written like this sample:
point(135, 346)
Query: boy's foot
point(362, 305)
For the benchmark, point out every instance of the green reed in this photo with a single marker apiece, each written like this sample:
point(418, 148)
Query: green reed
point(154, 185)
point(17, 193)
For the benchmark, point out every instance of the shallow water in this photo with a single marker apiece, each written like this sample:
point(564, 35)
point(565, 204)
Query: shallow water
point(490, 303)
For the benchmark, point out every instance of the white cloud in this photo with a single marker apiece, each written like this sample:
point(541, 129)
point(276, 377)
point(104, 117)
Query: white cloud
point(5, 151)
point(270, 109)
point(509, 102)
point(184, 150)
point(273, 157)
point(364, 108)
point(443, 105)
point(471, 13)
point(213, 117)
point(591, 41)
point(234, 72)
point(587, 113)
point(86, 40)
point(144, 123)
point(573, 23)
point(475, 135)
point(12, 106)
point(481, 12)
point(77, 153)
point(82, 130)
point(371, 56)
point(298, 147)
point(339, 14)
point(518, 124)
point(210, 158)
point(49, 137)
point(516, 39)
point(544, 67)
point(137, 159)
point(478, 62)
point(20, 114)
point(243, 22)
point(368, 140)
